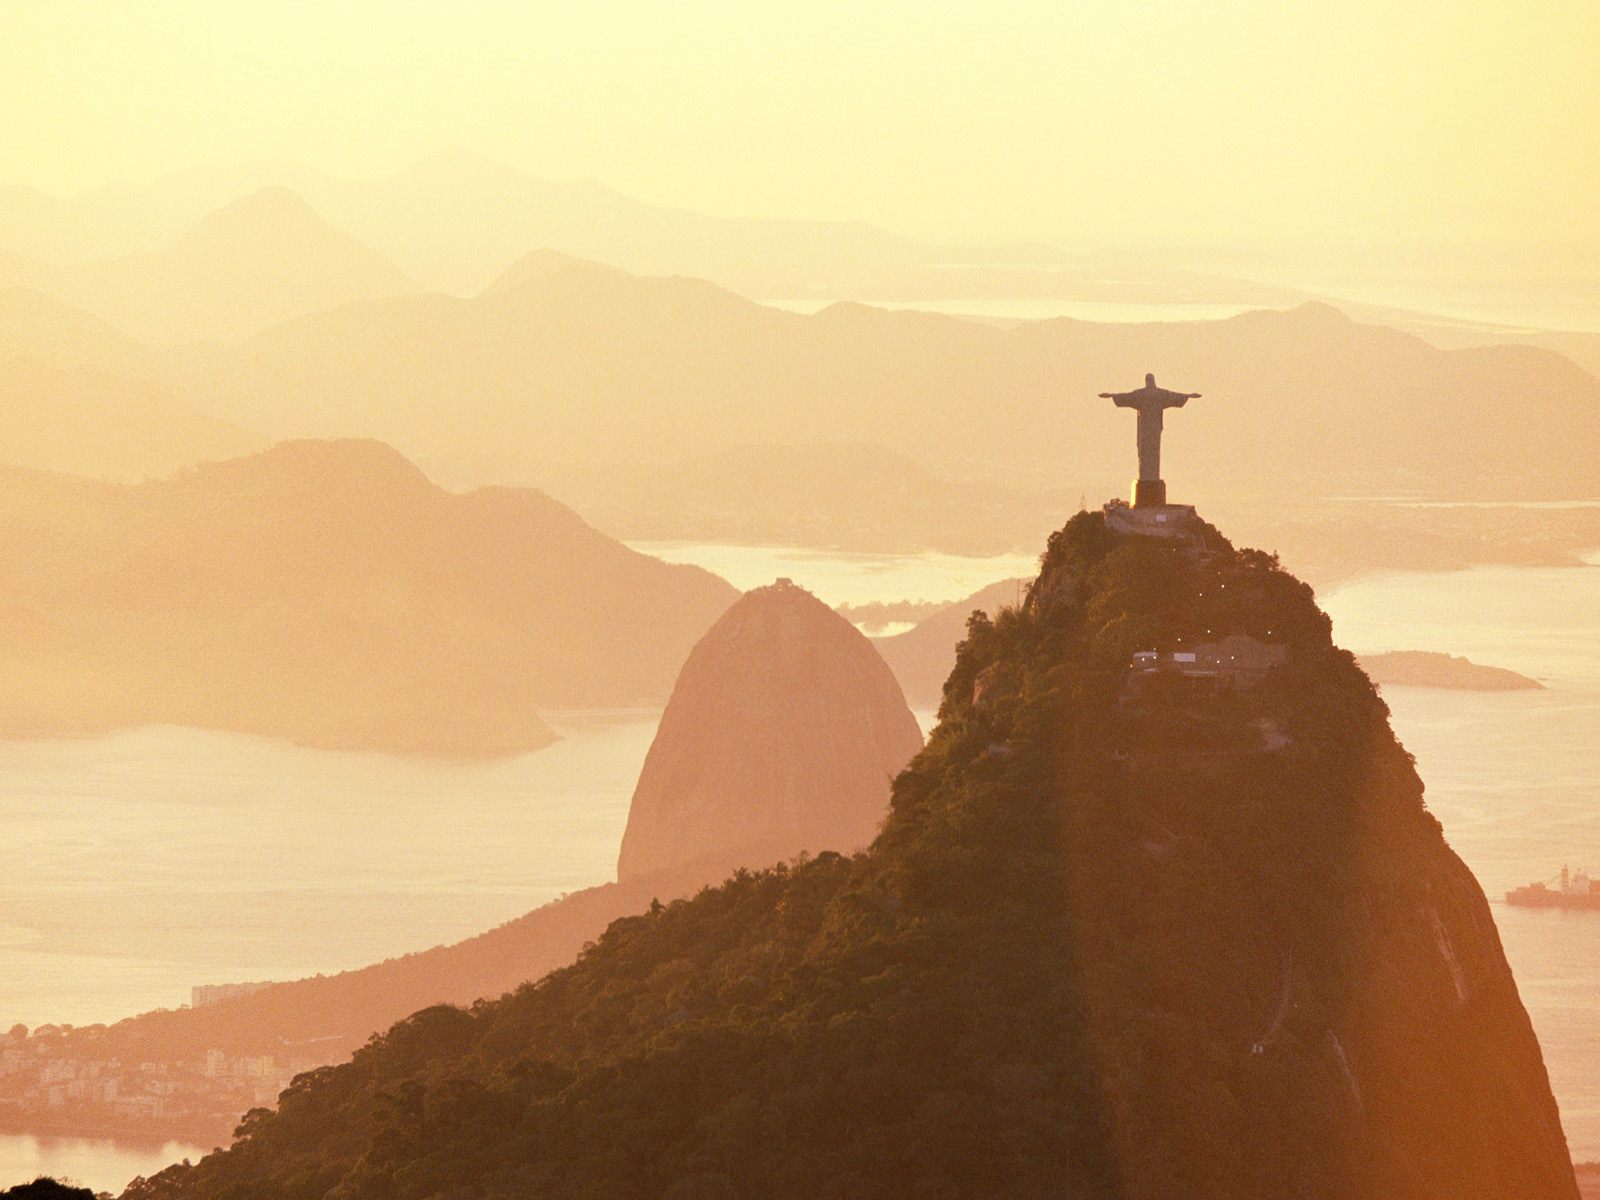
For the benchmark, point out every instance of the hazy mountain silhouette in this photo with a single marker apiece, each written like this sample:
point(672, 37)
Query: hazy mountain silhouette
point(260, 260)
point(38, 227)
point(781, 738)
point(1188, 941)
point(455, 219)
point(846, 495)
point(1328, 544)
point(328, 593)
point(782, 735)
point(1582, 348)
point(572, 364)
point(35, 325)
point(152, 213)
point(92, 422)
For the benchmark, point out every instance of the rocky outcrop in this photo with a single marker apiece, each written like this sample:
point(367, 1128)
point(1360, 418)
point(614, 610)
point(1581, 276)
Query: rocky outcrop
point(783, 733)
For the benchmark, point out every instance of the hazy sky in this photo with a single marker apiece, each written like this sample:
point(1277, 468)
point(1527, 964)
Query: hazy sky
point(1152, 119)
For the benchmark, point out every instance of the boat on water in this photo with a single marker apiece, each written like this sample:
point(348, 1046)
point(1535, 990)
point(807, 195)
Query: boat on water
point(1572, 889)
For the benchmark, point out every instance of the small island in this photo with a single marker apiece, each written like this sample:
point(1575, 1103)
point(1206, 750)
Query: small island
point(1428, 668)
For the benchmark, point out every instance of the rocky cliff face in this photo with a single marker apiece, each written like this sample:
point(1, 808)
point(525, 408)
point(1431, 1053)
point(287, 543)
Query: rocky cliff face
point(783, 733)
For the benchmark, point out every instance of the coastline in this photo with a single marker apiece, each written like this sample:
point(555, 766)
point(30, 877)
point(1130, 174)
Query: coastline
point(203, 1135)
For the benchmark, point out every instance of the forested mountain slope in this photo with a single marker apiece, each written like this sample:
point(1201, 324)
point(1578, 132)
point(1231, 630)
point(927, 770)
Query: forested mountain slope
point(1142, 942)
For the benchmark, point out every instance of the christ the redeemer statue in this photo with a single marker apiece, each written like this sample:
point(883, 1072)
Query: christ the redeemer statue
point(1150, 402)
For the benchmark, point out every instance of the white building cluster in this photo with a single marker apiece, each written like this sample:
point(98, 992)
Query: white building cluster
point(53, 1086)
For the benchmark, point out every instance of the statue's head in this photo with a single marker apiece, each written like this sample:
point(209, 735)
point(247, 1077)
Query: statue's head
point(1150, 380)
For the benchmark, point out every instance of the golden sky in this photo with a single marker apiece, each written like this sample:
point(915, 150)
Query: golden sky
point(1000, 119)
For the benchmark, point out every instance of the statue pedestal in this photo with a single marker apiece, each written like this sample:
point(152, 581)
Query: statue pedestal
point(1149, 493)
point(1175, 521)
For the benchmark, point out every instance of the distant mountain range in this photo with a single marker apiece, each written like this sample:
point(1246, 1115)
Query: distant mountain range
point(329, 593)
point(260, 260)
point(41, 327)
point(455, 220)
point(853, 496)
point(93, 422)
point(674, 409)
point(82, 396)
point(564, 365)
point(670, 407)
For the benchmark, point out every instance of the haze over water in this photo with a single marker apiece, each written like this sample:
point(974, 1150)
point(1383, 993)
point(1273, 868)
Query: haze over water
point(151, 861)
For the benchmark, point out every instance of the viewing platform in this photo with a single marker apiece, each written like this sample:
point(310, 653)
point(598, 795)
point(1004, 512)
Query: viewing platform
point(1175, 521)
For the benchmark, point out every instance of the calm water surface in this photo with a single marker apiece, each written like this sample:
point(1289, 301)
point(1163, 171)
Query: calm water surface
point(144, 863)
point(1514, 776)
point(98, 1163)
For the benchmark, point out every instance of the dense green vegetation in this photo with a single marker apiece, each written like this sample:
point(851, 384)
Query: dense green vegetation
point(1096, 951)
